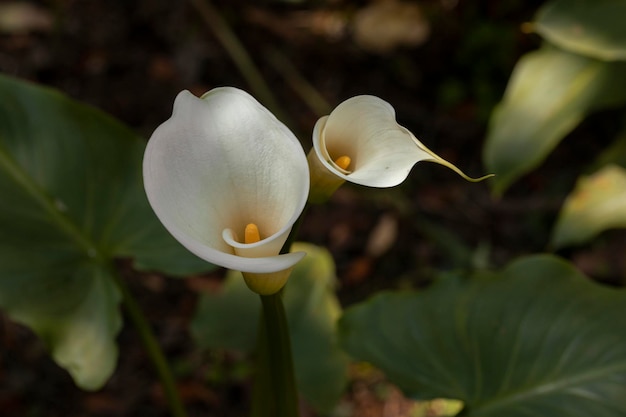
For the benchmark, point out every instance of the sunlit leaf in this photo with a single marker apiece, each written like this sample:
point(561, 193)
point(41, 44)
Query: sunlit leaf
point(71, 200)
point(594, 28)
point(230, 319)
point(549, 93)
point(597, 203)
point(536, 339)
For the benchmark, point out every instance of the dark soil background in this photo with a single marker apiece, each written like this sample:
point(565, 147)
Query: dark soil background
point(131, 58)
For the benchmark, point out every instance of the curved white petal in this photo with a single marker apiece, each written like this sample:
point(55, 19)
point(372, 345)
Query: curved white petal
point(382, 152)
point(220, 162)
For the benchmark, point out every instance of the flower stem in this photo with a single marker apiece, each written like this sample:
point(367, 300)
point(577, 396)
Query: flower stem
point(275, 393)
point(238, 53)
point(294, 232)
point(153, 349)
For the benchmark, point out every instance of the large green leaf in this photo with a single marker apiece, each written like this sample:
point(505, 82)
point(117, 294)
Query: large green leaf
point(597, 203)
point(71, 201)
point(594, 28)
point(549, 93)
point(230, 319)
point(536, 339)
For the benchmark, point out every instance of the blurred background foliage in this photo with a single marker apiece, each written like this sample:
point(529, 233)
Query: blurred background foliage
point(445, 65)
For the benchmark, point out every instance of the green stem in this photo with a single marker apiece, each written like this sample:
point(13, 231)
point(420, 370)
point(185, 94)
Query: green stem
point(307, 92)
point(275, 393)
point(294, 232)
point(238, 53)
point(153, 349)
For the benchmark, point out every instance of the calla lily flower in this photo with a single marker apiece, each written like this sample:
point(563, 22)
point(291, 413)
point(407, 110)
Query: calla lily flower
point(361, 142)
point(228, 181)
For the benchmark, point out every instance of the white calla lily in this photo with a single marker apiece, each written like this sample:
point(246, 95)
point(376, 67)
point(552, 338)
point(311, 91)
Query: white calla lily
point(220, 163)
point(361, 142)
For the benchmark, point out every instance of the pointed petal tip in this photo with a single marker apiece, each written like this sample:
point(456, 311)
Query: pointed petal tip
point(454, 168)
point(479, 179)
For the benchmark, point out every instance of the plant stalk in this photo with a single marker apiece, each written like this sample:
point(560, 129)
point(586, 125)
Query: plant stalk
point(153, 349)
point(275, 393)
point(238, 53)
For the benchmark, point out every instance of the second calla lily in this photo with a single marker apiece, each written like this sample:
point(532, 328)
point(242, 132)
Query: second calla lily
point(228, 181)
point(361, 142)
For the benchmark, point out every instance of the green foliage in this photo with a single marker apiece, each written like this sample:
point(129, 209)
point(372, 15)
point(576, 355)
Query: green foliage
point(614, 154)
point(229, 320)
point(594, 28)
point(72, 201)
point(536, 339)
point(597, 203)
point(550, 92)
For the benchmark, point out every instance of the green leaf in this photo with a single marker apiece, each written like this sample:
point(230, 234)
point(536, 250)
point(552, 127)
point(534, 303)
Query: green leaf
point(597, 203)
point(614, 154)
point(536, 339)
point(229, 320)
point(72, 200)
point(594, 28)
point(549, 93)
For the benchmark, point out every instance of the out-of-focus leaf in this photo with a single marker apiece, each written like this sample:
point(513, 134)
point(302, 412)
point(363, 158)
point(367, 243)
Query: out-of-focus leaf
point(594, 28)
point(71, 200)
point(614, 154)
point(230, 319)
point(549, 93)
point(597, 203)
point(536, 339)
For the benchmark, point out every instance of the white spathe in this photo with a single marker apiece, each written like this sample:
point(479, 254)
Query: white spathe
point(382, 152)
point(220, 162)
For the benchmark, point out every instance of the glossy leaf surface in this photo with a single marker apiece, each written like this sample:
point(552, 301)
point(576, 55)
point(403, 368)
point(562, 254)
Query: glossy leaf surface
point(72, 201)
point(536, 339)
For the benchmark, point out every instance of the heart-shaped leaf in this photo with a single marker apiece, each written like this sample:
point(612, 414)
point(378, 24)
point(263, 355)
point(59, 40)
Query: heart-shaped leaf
point(597, 203)
point(594, 28)
point(71, 201)
point(229, 320)
point(549, 93)
point(536, 339)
